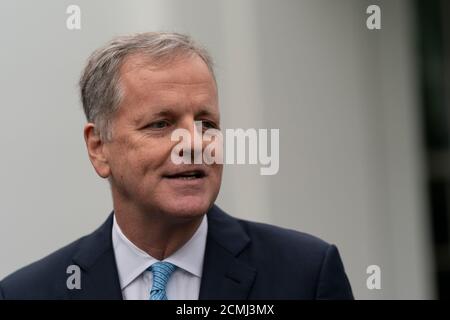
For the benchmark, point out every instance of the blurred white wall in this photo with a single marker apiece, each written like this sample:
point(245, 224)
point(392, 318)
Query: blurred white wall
point(344, 98)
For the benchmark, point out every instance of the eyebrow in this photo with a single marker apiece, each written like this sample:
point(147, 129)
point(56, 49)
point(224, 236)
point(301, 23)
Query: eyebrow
point(205, 112)
point(163, 113)
point(168, 112)
point(144, 115)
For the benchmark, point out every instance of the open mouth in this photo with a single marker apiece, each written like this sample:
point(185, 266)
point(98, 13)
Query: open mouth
point(187, 175)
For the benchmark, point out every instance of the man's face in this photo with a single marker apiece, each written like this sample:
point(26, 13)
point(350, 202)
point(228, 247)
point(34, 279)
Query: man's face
point(156, 101)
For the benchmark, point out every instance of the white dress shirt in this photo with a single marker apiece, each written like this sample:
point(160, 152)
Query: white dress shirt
point(136, 281)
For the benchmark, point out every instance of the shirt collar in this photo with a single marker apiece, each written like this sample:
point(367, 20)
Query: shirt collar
point(132, 261)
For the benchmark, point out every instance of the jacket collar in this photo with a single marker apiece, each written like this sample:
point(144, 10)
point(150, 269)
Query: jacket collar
point(95, 257)
point(225, 274)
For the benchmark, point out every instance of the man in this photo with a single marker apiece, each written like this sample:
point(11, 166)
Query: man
point(165, 238)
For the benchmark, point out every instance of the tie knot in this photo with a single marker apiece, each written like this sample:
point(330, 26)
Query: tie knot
point(161, 272)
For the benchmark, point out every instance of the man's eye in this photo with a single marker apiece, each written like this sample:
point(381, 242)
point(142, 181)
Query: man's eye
point(158, 124)
point(209, 125)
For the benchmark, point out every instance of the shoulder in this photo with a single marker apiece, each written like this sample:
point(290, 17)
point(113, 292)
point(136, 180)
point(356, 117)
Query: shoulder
point(284, 243)
point(40, 275)
point(297, 257)
point(275, 235)
point(46, 278)
point(306, 266)
point(262, 233)
point(265, 244)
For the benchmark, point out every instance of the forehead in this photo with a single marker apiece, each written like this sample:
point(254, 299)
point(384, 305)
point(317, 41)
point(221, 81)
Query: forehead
point(185, 79)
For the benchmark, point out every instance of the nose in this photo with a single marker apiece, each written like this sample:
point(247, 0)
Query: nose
point(196, 146)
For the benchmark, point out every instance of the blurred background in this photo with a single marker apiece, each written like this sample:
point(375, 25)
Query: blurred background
point(363, 116)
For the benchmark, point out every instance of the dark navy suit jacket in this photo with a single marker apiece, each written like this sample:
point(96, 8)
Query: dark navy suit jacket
point(243, 260)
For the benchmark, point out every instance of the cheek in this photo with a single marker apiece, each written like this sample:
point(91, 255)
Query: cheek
point(217, 173)
point(127, 161)
point(149, 158)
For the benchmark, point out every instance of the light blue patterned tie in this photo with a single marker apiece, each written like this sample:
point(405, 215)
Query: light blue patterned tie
point(161, 274)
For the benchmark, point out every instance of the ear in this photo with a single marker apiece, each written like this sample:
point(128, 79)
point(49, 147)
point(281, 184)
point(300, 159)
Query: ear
point(95, 147)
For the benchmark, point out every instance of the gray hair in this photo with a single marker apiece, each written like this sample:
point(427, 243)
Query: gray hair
point(100, 88)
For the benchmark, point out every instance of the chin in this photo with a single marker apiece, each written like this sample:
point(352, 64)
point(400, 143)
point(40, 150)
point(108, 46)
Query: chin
point(187, 206)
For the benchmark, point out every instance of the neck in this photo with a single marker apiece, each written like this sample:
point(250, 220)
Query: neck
point(155, 233)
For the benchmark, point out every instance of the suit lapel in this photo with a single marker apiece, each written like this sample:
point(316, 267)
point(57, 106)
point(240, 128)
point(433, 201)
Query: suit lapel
point(95, 257)
point(225, 276)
